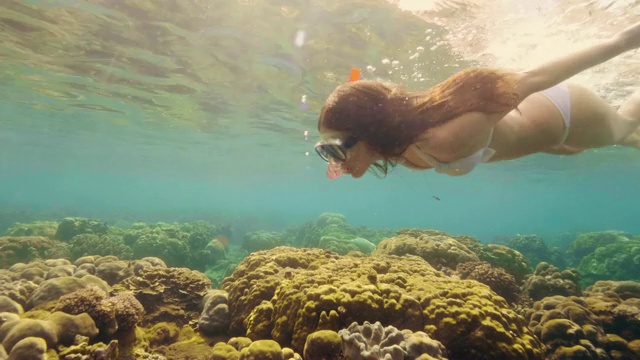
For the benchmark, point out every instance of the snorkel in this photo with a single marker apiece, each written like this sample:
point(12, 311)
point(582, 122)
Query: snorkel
point(334, 170)
point(354, 75)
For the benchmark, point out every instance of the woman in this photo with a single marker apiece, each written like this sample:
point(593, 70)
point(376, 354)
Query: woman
point(476, 116)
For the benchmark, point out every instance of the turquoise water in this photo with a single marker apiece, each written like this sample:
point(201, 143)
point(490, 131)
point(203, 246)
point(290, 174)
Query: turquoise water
point(176, 111)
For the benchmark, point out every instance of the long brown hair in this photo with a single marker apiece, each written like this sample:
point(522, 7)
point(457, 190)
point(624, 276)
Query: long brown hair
point(390, 119)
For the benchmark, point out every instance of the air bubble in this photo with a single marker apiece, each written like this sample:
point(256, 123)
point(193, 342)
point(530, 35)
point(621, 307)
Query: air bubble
point(299, 38)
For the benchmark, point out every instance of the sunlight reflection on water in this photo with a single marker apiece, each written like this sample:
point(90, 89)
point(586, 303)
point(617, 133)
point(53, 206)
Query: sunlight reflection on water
point(519, 34)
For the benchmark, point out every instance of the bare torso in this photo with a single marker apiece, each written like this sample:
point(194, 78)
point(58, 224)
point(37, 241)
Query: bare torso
point(535, 126)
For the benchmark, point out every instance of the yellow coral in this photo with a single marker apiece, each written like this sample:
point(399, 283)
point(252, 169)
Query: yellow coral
point(289, 293)
point(262, 350)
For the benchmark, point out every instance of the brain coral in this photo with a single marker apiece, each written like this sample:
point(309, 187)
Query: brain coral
point(547, 280)
point(617, 304)
point(503, 283)
point(15, 249)
point(167, 294)
point(438, 249)
point(287, 294)
point(572, 328)
point(507, 258)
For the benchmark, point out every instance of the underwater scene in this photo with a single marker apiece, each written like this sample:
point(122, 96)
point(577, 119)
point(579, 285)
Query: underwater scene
point(171, 186)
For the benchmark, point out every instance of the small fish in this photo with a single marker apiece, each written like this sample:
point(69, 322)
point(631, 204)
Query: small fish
point(435, 197)
point(224, 240)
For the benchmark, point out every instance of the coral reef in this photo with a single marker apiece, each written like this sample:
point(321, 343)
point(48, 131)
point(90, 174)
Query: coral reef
point(167, 294)
point(586, 243)
point(623, 289)
point(509, 259)
point(110, 314)
point(337, 234)
point(177, 244)
point(547, 280)
point(617, 260)
point(503, 283)
point(18, 290)
point(286, 294)
point(103, 245)
point(57, 328)
point(438, 249)
point(53, 289)
point(174, 252)
point(345, 246)
point(215, 317)
point(617, 305)
point(90, 300)
point(81, 349)
point(39, 228)
point(128, 310)
point(80, 289)
point(262, 240)
point(536, 250)
point(373, 341)
point(70, 227)
point(24, 249)
point(30, 347)
point(571, 330)
point(324, 344)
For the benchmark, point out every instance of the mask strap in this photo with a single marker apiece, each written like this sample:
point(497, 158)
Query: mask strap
point(354, 75)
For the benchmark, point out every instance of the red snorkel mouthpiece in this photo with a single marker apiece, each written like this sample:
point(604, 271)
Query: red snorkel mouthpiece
point(334, 170)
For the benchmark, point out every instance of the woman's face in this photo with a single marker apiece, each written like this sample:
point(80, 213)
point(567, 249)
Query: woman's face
point(359, 156)
point(359, 159)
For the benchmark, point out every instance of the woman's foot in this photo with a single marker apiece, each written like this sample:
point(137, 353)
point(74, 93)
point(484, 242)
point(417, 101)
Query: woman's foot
point(632, 140)
point(631, 110)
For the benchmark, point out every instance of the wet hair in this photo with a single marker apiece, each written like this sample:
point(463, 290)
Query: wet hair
point(389, 119)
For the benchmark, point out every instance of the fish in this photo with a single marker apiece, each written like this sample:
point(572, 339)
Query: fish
point(224, 240)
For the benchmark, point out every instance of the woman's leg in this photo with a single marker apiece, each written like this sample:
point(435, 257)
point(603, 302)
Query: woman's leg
point(631, 109)
point(595, 123)
point(632, 140)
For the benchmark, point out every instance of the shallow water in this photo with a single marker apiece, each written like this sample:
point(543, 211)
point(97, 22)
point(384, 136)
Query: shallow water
point(172, 110)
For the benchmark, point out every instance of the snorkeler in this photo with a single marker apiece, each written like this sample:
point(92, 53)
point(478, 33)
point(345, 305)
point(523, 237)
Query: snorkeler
point(478, 115)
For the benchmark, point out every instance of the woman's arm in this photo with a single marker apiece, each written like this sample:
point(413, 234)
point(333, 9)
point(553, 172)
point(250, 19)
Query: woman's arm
point(559, 70)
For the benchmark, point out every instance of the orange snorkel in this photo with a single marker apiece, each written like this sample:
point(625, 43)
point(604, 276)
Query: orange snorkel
point(354, 75)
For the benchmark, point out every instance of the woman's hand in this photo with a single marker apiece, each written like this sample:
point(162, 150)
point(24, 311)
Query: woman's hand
point(629, 38)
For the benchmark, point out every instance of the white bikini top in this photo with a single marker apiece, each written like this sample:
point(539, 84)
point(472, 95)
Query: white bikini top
point(457, 167)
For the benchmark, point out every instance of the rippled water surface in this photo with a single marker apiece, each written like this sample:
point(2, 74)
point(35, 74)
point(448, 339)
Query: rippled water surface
point(184, 108)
